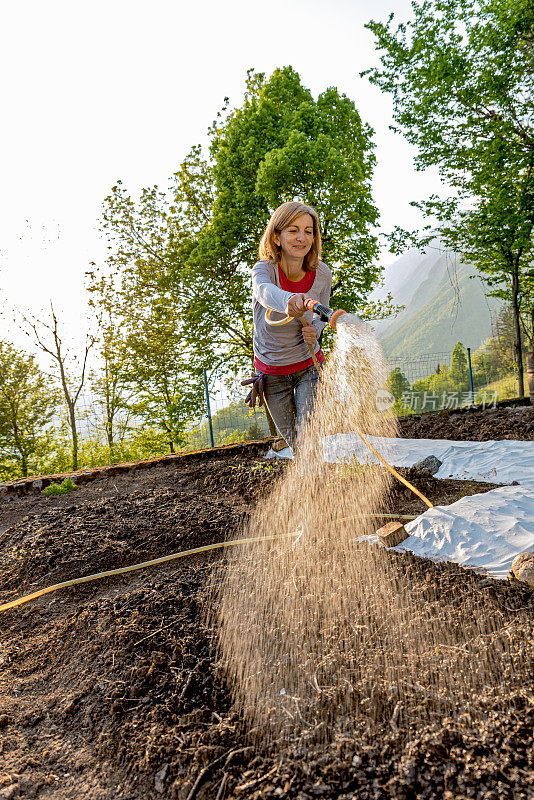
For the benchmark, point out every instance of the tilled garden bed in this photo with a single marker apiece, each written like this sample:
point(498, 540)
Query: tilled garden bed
point(472, 424)
point(110, 691)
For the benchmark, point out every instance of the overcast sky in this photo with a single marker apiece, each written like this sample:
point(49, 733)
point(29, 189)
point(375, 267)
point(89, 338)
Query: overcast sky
point(99, 91)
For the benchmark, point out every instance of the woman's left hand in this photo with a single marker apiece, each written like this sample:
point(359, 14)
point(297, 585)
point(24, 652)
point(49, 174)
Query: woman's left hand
point(310, 334)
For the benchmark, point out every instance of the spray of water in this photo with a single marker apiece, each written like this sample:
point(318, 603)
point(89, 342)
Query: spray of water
point(316, 629)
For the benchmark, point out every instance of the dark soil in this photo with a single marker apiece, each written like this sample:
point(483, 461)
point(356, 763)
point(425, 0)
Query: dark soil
point(477, 425)
point(109, 691)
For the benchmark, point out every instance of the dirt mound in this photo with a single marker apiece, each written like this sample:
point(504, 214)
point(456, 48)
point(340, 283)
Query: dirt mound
point(111, 691)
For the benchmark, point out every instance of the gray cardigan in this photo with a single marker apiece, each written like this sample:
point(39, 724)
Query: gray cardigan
point(279, 346)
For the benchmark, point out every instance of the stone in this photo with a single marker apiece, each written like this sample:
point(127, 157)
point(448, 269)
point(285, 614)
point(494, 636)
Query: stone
point(523, 568)
point(392, 533)
point(69, 707)
point(4, 721)
point(430, 464)
point(159, 779)
point(279, 444)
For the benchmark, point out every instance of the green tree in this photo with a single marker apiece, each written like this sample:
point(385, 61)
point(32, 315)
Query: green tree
point(280, 145)
point(111, 388)
point(28, 402)
point(169, 392)
point(459, 372)
point(398, 383)
point(200, 242)
point(494, 359)
point(148, 374)
point(110, 381)
point(462, 78)
point(438, 382)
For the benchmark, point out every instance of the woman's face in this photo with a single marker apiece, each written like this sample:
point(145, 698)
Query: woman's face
point(297, 239)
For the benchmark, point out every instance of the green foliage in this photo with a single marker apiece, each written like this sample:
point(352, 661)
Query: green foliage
point(462, 79)
point(147, 372)
point(448, 387)
point(64, 487)
point(495, 358)
point(459, 372)
point(398, 383)
point(503, 389)
point(279, 145)
point(168, 391)
point(445, 381)
point(192, 252)
point(28, 403)
point(111, 383)
point(256, 430)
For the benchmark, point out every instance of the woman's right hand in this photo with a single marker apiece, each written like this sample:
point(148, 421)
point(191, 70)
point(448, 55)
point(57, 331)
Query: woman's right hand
point(295, 305)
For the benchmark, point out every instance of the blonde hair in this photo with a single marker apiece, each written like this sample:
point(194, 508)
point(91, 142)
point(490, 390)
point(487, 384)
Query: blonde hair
point(281, 219)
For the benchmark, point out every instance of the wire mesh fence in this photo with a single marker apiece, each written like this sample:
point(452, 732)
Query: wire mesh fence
point(227, 419)
point(437, 381)
point(415, 385)
point(430, 382)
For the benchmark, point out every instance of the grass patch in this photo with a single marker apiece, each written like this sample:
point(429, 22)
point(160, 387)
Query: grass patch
point(66, 486)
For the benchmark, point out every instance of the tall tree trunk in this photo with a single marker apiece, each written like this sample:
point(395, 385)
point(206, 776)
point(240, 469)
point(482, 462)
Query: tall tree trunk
point(109, 412)
point(74, 435)
point(518, 349)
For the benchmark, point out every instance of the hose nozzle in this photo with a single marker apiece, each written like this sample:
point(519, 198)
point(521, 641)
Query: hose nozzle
point(325, 314)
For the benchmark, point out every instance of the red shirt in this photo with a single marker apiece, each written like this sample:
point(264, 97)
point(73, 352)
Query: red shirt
point(295, 287)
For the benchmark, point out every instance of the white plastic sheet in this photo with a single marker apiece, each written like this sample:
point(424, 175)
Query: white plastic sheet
point(483, 531)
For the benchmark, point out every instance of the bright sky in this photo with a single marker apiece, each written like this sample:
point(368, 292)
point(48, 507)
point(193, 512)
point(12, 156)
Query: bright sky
point(98, 91)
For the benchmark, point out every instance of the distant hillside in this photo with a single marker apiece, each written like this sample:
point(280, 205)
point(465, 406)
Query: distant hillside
point(444, 305)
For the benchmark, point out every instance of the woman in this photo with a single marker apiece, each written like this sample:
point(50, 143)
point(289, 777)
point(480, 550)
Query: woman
point(288, 272)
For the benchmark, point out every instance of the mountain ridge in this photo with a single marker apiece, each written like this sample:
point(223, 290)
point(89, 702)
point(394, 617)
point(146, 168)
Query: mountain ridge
point(444, 301)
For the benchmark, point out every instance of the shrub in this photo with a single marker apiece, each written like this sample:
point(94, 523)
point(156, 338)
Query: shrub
point(66, 486)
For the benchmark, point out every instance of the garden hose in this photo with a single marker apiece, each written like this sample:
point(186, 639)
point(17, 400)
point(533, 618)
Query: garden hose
point(122, 570)
point(164, 559)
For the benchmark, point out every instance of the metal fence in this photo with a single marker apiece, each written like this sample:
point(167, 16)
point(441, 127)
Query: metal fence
point(228, 419)
point(426, 384)
point(416, 385)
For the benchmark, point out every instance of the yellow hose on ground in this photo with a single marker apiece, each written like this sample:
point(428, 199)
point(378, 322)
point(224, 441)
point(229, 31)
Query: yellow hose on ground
point(133, 567)
point(394, 471)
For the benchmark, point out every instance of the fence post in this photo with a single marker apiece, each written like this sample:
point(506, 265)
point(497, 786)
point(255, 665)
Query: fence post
point(470, 376)
point(208, 408)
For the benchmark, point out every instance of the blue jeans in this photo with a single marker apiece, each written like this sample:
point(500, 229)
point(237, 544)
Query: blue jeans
point(289, 399)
